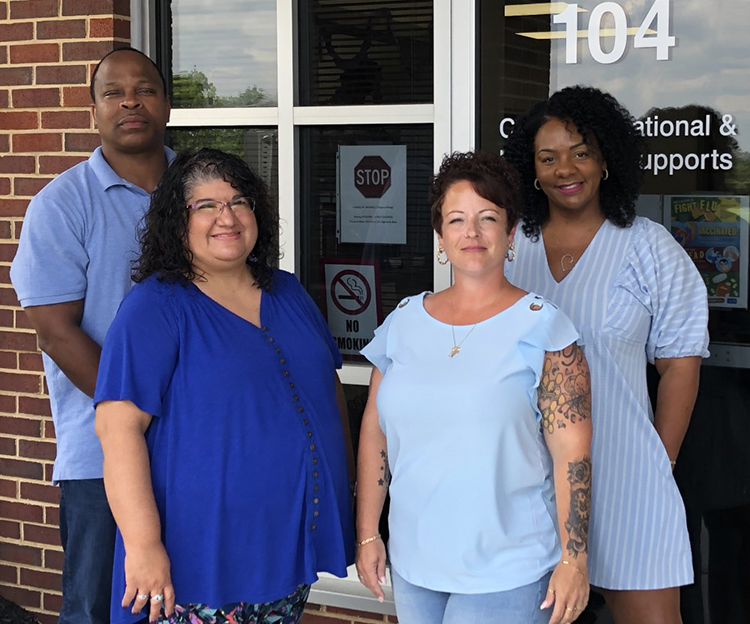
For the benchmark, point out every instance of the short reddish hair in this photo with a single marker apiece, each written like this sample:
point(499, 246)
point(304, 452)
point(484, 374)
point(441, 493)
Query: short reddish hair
point(491, 177)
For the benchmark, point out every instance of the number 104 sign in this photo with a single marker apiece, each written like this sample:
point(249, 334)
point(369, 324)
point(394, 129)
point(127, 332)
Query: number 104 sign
point(607, 20)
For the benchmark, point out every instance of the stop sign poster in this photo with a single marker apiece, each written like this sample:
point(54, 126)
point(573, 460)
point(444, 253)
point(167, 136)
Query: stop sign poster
point(352, 303)
point(372, 193)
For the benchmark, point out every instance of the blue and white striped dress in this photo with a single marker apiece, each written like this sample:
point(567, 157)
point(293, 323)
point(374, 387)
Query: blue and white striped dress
point(634, 295)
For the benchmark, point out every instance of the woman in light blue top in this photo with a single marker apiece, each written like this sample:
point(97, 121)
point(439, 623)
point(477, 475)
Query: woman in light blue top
point(479, 409)
point(634, 296)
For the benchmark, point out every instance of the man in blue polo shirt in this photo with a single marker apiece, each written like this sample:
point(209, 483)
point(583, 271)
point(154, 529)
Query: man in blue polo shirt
point(71, 271)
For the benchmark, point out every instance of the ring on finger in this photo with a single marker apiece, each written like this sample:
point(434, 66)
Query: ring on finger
point(566, 608)
point(142, 596)
point(550, 591)
point(157, 598)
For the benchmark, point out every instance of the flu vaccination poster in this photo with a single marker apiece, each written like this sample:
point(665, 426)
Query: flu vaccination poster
point(714, 232)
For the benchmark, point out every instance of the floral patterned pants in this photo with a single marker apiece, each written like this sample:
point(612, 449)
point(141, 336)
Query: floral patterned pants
point(286, 610)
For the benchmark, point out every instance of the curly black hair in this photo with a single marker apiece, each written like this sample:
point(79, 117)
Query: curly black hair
point(490, 176)
point(164, 250)
point(593, 112)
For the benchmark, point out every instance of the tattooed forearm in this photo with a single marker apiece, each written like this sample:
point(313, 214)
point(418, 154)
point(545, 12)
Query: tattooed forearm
point(565, 388)
point(577, 524)
point(385, 478)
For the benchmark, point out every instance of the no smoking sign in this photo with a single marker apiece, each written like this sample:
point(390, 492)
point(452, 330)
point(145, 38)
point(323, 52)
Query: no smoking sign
point(350, 292)
point(352, 304)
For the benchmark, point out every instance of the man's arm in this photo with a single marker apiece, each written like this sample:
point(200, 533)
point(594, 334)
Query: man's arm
point(58, 327)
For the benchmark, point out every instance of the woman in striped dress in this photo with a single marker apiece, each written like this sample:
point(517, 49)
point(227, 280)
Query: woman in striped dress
point(635, 297)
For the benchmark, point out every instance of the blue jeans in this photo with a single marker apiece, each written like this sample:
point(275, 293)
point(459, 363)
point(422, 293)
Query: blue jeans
point(417, 605)
point(87, 530)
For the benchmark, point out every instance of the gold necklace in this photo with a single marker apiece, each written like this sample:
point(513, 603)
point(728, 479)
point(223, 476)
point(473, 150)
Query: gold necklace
point(457, 347)
point(570, 258)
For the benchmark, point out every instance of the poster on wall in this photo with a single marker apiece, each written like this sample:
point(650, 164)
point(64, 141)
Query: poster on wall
point(352, 303)
point(714, 232)
point(371, 182)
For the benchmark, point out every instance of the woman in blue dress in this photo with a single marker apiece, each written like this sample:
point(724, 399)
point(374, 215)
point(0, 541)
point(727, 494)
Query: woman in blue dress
point(635, 297)
point(476, 422)
point(225, 459)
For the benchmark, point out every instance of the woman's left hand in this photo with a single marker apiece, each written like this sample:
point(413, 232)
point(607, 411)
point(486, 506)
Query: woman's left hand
point(568, 593)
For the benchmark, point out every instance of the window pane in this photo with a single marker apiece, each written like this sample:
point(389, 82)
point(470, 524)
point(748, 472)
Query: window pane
point(374, 52)
point(256, 146)
point(222, 53)
point(392, 270)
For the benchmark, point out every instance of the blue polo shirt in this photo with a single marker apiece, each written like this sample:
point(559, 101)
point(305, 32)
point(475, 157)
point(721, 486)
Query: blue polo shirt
point(78, 241)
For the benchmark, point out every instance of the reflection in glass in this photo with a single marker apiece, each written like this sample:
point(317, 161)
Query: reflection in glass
point(223, 53)
point(403, 269)
point(376, 52)
point(256, 146)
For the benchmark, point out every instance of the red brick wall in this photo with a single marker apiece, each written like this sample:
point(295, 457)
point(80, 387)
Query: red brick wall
point(47, 51)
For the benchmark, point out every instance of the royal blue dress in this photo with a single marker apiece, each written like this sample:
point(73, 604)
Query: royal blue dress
point(247, 451)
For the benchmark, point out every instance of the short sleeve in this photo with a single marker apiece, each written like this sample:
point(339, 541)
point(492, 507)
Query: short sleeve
point(376, 351)
point(51, 262)
point(679, 299)
point(552, 332)
point(317, 322)
point(141, 349)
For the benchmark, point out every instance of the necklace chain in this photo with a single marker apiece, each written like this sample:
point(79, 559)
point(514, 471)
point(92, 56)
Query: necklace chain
point(456, 349)
point(569, 258)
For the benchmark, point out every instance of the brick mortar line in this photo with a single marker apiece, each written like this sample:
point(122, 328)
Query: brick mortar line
point(30, 460)
point(39, 175)
point(28, 439)
point(44, 109)
point(7, 499)
point(29, 395)
point(21, 542)
point(21, 480)
point(41, 590)
point(43, 504)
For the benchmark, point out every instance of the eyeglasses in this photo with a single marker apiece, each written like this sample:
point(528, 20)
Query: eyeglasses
point(215, 207)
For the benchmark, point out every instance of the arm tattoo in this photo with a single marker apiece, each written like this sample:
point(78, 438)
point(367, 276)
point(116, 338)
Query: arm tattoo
point(577, 524)
point(385, 479)
point(565, 388)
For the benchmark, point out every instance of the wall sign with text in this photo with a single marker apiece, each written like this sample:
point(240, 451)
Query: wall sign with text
point(607, 20)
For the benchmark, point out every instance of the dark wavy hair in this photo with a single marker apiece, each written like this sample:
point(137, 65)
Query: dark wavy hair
point(490, 176)
point(164, 250)
point(593, 112)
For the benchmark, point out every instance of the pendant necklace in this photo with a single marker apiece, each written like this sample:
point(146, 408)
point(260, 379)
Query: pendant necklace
point(456, 349)
point(568, 258)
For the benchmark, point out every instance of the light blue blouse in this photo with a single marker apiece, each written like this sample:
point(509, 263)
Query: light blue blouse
point(634, 295)
point(472, 499)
